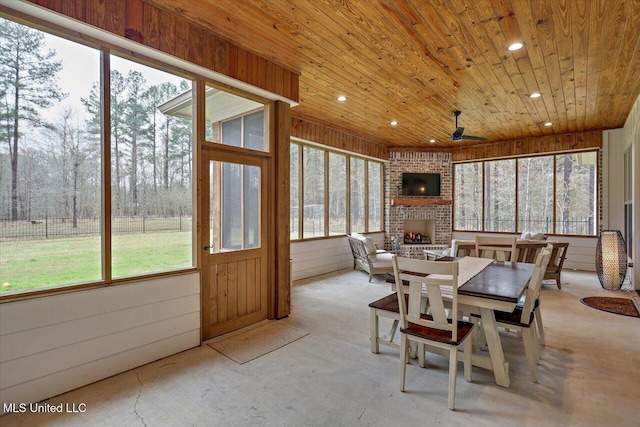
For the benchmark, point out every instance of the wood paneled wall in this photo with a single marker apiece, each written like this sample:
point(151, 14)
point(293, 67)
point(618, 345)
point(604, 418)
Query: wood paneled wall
point(338, 139)
point(172, 34)
point(518, 147)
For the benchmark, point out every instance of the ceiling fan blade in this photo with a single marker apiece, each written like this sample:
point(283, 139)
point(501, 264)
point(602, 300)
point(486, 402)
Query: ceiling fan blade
point(457, 135)
point(473, 138)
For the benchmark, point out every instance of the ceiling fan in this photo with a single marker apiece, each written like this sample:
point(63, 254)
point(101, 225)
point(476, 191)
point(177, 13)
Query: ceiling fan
point(458, 134)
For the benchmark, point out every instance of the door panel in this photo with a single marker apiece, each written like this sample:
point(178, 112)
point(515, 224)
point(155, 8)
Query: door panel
point(234, 289)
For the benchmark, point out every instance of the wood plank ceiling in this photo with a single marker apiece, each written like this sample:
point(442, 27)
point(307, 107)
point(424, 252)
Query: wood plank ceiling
point(416, 61)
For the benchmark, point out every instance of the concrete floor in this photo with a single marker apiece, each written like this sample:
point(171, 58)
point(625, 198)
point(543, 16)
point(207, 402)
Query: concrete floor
point(589, 374)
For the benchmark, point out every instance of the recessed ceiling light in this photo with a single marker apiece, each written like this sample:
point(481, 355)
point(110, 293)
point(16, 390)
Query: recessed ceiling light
point(535, 95)
point(394, 123)
point(432, 140)
point(342, 98)
point(516, 46)
point(548, 124)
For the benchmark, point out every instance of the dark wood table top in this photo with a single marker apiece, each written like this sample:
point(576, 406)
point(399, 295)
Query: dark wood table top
point(504, 281)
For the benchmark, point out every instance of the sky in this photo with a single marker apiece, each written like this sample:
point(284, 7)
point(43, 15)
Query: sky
point(81, 67)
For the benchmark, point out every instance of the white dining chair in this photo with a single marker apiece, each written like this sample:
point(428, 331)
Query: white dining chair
point(434, 329)
point(522, 319)
point(498, 248)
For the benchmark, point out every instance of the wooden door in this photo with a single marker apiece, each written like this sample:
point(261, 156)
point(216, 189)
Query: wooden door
point(234, 273)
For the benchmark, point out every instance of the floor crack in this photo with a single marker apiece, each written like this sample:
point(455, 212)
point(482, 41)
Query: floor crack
point(135, 405)
point(365, 410)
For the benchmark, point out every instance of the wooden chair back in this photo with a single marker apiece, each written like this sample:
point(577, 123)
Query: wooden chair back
point(358, 249)
point(535, 283)
point(498, 248)
point(437, 276)
point(558, 255)
point(528, 251)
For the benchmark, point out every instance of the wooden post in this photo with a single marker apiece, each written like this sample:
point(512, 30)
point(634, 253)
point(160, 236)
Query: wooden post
point(282, 212)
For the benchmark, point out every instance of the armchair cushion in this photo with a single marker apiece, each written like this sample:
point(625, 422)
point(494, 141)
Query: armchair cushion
point(381, 260)
point(532, 235)
point(368, 243)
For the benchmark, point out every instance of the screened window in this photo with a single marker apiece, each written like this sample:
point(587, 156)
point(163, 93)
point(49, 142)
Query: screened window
point(341, 193)
point(375, 195)
point(575, 193)
point(294, 199)
point(554, 194)
point(231, 119)
point(53, 221)
point(313, 184)
point(337, 194)
point(50, 163)
point(151, 172)
point(535, 194)
point(234, 206)
point(468, 197)
point(500, 195)
point(358, 195)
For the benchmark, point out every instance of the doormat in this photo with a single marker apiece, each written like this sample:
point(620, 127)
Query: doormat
point(249, 345)
point(623, 306)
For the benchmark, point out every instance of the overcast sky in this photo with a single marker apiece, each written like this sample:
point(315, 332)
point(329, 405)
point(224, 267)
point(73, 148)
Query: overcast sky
point(81, 67)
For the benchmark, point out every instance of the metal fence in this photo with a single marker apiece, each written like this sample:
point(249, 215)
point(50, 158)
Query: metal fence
point(53, 227)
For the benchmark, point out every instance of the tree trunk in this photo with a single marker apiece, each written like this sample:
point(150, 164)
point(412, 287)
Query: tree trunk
point(592, 192)
point(165, 158)
point(134, 173)
point(14, 151)
point(153, 157)
point(566, 179)
point(487, 196)
point(75, 189)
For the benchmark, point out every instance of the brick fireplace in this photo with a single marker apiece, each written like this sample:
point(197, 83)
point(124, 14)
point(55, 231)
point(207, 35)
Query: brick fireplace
point(419, 231)
point(410, 215)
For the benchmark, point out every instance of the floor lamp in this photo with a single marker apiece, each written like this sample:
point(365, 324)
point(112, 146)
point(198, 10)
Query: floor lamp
point(611, 259)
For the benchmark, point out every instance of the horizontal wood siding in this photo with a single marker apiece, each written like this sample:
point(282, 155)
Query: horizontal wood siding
point(581, 254)
point(519, 147)
point(54, 344)
point(315, 257)
point(167, 31)
point(335, 138)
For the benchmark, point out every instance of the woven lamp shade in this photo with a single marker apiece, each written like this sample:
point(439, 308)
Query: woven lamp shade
point(611, 259)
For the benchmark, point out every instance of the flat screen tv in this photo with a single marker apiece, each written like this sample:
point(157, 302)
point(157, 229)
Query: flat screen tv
point(420, 184)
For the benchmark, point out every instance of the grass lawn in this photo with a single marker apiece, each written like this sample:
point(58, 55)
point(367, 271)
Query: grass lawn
point(29, 264)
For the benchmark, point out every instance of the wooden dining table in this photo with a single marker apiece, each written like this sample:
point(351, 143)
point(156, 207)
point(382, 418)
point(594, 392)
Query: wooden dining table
point(484, 286)
point(499, 286)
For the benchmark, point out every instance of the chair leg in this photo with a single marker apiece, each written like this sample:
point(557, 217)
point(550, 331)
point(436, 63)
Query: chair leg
point(403, 360)
point(538, 320)
point(535, 343)
point(453, 371)
point(527, 338)
point(375, 347)
point(394, 328)
point(558, 281)
point(421, 357)
point(370, 277)
point(468, 352)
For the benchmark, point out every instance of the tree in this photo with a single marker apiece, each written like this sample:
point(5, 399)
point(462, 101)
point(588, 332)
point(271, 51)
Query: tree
point(29, 72)
point(135, 116)
point(93, 106)
point(69, 151)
